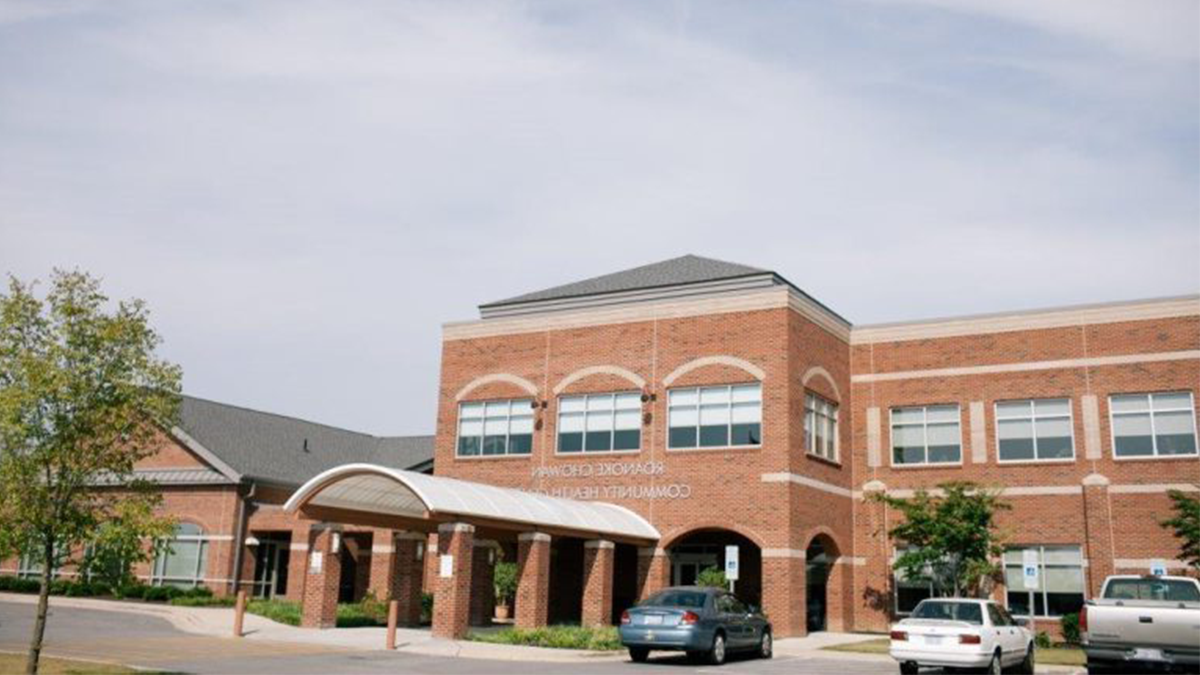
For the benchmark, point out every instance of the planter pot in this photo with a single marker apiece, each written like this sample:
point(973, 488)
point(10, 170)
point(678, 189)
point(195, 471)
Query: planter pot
point(502, 612)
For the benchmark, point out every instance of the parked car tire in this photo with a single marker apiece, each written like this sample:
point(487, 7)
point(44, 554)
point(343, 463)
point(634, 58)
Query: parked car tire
point(995, 666)
point(909, 668)
point(639, 654)
point(766, 645)
point(1027, 665)
point(1098, 667)
point(716, 655)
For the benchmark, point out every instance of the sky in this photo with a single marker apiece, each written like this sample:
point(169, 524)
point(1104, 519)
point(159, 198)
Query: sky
point(304, 192)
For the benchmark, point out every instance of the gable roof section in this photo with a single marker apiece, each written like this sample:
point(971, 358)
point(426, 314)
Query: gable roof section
point(688, 269)
point(243, 443)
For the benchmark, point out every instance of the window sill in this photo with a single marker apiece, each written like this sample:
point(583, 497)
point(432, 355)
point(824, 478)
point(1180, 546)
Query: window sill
point(477, 458)
point(1156, 458)
point(823, 460)
point(582, 454)
point(938, 465)
point(720, 448)
point(1020, 462)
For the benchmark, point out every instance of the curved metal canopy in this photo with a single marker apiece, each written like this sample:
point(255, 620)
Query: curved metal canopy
point(381, 490)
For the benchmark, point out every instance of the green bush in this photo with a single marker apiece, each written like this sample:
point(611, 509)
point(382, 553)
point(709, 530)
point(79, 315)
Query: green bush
point(505, 581)
point(555, 637)
point(712, 576)
point(162, 593)
point(1070, 628)
point(18, 585)
point(1042, 640)
point(134, 591)
point(202, 601)
point(280, 611)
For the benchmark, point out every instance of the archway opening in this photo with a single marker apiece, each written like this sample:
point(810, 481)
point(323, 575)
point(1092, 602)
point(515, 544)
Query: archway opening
point(822, 586)
point(696, 551)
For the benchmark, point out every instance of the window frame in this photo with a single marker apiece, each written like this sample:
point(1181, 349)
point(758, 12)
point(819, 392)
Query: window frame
point(925, 428)
point(810, 434)
point(728, 446)
point(1112, 427)
point(158, 566)
point(1041, 549)
point(1033, 418)
point(583, 451)
point(527, 402)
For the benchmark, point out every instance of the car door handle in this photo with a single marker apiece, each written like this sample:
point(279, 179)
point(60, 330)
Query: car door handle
point(1145, 619)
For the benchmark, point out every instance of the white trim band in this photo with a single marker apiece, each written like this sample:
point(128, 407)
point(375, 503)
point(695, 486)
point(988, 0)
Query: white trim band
point(1021, 367)
point(785, 477)
point(533, 536)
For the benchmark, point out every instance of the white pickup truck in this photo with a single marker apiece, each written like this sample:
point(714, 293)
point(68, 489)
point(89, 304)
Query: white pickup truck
point(1143, 621)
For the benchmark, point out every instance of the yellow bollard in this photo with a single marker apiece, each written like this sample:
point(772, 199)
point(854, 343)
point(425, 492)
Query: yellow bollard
point(393, 618)
point(239, 613)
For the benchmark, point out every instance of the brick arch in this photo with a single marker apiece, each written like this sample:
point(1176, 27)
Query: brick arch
point(818, 371)
point(821, 531)
point(723, 360)
point(679, 533)
point(616, 371)
point(480, 381)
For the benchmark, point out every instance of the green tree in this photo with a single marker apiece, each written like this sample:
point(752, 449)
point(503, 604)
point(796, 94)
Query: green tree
point(951, 538)
point(82, 399)
point(119, 542)
point(1186, 525)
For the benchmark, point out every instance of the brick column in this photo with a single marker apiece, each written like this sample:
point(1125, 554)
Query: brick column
point(654, 571)
point(321, 578)
point(872, 586)
point(382, 575)
point(452, 599)
point(408, 576)
point(1097, 512)
point(297, 566)
point(784, 591)
point(533, 580)
point(597, 583)
point(483, 587)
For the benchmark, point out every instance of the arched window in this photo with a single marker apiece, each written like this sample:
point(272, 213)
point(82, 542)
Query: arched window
point(183, 561)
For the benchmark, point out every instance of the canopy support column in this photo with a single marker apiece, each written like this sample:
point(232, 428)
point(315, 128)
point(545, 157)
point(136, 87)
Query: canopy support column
point(452, 599)
point(533, 580)
point(597, 582)
point(322, 577)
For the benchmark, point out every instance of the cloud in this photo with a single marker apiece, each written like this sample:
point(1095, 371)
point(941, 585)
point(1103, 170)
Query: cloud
point(304, 191)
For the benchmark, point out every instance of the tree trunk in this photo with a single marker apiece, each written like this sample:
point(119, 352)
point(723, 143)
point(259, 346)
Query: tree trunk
point(39, 625)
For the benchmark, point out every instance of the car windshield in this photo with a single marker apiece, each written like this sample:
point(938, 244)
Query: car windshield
point(686, 599)
point(1167, 590)
point(949, 611)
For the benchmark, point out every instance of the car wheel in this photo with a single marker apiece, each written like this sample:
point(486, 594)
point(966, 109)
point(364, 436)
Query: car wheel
point(716, 655)
point(995, 667)
point(639, 654)
point(909, 668)
point(1098, 668)
point(1027, 664)
point(766, 646)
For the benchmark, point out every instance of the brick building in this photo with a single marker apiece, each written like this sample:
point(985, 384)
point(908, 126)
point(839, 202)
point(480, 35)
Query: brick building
point(718, 405)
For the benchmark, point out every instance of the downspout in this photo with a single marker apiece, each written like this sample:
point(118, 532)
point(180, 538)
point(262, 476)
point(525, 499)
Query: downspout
point(239, 537)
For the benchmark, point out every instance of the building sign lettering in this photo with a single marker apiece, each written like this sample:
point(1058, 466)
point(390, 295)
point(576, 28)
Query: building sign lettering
point(610, 492)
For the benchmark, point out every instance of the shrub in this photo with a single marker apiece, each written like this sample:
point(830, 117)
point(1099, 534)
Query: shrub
point(712, 576)
point(202, 601)
point(505, 581)
point(1042, 640)
point(18, 585)
point(281, 611)
point(161, 593)
point(1070, 628)
point(134, 591)
point(555, 637)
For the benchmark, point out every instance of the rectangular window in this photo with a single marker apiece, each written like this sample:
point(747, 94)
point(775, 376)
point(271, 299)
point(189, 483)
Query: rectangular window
point(1059, 587)
point(1153, 425)
point(926, 435)
point(495, 428)
point(185, 560)
point(821, 427)
point(1034, 430)
point(713, 417)
point(600, 422)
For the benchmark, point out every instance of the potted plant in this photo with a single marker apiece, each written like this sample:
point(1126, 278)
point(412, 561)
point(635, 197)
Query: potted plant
point(505, 582)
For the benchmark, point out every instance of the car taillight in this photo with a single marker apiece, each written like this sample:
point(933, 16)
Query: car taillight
point(689, 618)
point(899, 635)
point(969, 639)
point(1083, 619)
point(625, 617)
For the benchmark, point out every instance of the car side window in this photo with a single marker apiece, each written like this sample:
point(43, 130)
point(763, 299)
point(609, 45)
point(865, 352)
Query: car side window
point(995, 615)
point(737, 606)
point(1005, 616)
point(725, 604)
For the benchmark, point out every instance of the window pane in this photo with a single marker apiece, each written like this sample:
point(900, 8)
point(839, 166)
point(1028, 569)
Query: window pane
point(521, 425)
point(629, 402)
point(598, 441)
point(471, 410)
point(471, 428)
point(943, 413)
point(599, 421)
point(468, 445)
point(908, 416)
point(1174, 431)
point(712, 415)
point(599, 402)
point(493, 445)
point(627, 439)
point(628, 419)
point(570, 422)
point(520, 444)
point(746, 393)
point(181, 562)
point(943, 443)
point(714, 436)
point(1013, 409)
point(747, 434)
point(714, 395)
point(496, 410)
point(495, 427)
point(1172, 400)
point(683, 417)
point(1127, 403)
point(683, 397)
point(1063, 555)
point(747, 412)
point(908, 445)
point(1054, 438)
point(1056, 406)
point(570, 441)
point(571, 404)
point(1132, 435)
point(1015, 439)
point(1063, 579)
point(1018, 602)
point(682, 437)
point(1058, 604)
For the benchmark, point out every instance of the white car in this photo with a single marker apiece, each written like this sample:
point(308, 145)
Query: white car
point(961, 633)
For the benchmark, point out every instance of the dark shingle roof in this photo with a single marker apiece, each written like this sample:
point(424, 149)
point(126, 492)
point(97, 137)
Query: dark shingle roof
point(688, 269)
point(286, 450)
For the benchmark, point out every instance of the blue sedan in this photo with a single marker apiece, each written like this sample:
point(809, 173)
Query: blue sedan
point(699, 620)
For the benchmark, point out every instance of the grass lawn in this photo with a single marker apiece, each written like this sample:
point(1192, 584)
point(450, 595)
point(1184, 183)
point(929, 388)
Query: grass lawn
point(1055, 656)
point(15, 663)
point(557, 637)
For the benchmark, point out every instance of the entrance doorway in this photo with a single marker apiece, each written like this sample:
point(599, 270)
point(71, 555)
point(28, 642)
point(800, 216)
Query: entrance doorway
point(271, 565)
point(699, 550)
point(817, 582)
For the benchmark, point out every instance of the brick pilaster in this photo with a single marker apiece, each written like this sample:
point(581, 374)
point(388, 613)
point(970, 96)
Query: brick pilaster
point(654, 571)
point(597, 583)
point(382, 573)
point(783, 592)
point(452, 599)
point(1098, 521)
point(533, 580)
point(321, 577)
